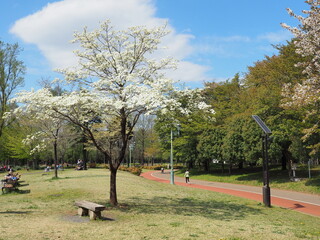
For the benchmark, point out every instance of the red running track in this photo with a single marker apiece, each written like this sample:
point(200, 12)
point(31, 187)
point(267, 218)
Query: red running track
point(303, 207)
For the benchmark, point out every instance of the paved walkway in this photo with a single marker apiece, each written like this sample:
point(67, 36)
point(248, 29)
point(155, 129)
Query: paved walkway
point(301, 202)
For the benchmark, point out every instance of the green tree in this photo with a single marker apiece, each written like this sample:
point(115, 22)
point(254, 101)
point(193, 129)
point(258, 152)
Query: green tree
point(210, 145)
point(264, 80)
point(192, 123)
point(12, 71)
point(251, 134)
point(224, 97)
point(263, 91)
point(233, 143)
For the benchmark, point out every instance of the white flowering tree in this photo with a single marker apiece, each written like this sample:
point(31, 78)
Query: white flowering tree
point(307, 40)
point(47, 128)
point(119, 81)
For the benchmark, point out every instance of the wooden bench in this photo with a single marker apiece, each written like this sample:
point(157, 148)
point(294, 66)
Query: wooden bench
point(9, 186)
point(86, 208)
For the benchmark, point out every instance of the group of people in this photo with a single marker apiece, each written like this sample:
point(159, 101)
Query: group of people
point(5, 168)
point(11, 175)
point(48, 168)
point(80, 165)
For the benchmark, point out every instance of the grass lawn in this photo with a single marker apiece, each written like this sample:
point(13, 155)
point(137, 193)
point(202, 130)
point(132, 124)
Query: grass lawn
point(278, 179)
point(148, 210)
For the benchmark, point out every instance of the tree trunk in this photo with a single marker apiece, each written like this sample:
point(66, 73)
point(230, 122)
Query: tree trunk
point(283, 161)
point(143, 147)
point(286, 159)
point(206, 165)
point(240, 165)
point(34, 163)
point(85, 156)
point(55, 158)
point(190, 164)
point(113, 186)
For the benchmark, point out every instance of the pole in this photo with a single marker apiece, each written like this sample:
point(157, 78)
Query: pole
point(265, 139)
point(171, 160)
point(309, 167)
point(266, 187)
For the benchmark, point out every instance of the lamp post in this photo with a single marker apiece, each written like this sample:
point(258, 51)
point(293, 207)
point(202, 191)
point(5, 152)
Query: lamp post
point(265, 144)
point(171, 154)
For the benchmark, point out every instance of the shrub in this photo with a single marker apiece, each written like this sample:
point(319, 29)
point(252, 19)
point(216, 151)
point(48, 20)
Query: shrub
point(155, 167)
point(92, 165)
point(158, 167)
point(102, 165)
point(68, 165)
point(134, 170)
point(178, 166)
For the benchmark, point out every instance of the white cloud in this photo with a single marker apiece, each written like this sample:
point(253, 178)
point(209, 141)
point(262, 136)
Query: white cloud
point(223, 46)
point(52, 28)
point(189, 72)
point(276, 37)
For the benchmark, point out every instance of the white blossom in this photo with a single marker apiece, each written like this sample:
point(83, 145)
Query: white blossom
point(307, 41)
point(307, 93)
point(119, 80)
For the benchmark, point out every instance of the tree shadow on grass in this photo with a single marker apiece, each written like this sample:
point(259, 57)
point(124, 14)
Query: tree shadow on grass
point(279, 176)
point(15, 191)
point(77, 177)
point(16, 212)
point(24, 191)
point(219, 210)
point(313, 182)
point(275, 176)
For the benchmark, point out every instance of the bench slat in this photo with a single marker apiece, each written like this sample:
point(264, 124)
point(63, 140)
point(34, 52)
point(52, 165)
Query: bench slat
point(90, 205)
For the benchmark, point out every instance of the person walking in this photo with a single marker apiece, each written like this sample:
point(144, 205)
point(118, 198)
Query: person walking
point(187, 175)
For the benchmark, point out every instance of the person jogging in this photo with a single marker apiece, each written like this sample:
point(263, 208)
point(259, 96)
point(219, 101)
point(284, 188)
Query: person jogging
point(187, 175)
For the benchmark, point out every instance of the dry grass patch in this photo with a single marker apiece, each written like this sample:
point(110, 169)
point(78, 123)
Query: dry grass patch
point(148, 210)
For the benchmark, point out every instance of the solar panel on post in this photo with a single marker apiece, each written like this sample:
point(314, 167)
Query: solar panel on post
point(265, 188)
point(261, 124)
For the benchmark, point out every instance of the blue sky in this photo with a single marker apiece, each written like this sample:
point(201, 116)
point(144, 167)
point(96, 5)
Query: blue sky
point(212, 39)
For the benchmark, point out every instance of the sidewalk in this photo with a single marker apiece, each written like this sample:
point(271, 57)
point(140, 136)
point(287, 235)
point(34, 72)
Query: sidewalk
point(301, 202)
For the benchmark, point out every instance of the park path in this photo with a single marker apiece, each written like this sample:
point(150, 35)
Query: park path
point(301, 202)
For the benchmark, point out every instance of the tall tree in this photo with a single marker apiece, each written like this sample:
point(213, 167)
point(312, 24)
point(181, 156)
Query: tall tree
point(192, 120)
point(263, 85)
point(307, 93)
point(119, 84)
point(233, 143)
point(224, 97)
point(12, 71)
point(143, 131)
point(210, 145)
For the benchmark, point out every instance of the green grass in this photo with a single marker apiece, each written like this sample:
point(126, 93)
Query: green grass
point(148, 210)
point(278, 179)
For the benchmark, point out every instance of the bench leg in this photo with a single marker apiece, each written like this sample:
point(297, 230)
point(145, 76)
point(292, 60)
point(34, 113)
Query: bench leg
point(7, 189)
point(83, 211)
point(94, 215)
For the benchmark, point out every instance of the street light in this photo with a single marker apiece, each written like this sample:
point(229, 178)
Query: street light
point(265, 139)
point(178, 126)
